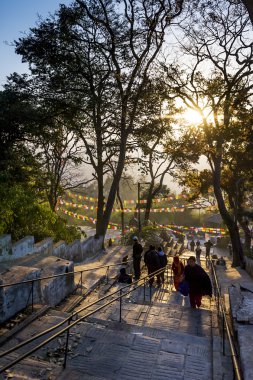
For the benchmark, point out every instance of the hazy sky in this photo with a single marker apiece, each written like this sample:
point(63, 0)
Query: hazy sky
point(16, 17)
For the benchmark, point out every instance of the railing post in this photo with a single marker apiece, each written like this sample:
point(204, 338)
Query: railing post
point(120, 304)
point(66, 345)
point(144, 294)
point(32, 295)
point(150, 292)
point(223, 335)
point(167, 268)
point(218, 306)
point(107, 277)
point(81, 282)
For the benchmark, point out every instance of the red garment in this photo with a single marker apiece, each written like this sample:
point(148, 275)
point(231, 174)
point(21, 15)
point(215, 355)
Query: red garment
point(178, 270)
point(195, 299)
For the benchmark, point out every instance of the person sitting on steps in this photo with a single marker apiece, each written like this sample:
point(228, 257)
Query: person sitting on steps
point(124, 278)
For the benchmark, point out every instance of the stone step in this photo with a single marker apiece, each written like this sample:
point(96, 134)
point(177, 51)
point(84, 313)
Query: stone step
point(152, 332)
point(130, 352)
point(166, 317)
point(30, 369)
point(115, 351)
point(51, 318)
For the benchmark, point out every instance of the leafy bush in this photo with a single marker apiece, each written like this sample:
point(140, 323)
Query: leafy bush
point(23, 213)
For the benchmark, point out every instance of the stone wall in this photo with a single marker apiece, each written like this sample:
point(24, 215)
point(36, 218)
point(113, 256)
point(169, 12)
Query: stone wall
point(9, 251)
point(55, 289)
point(16, 297)
point(50, 291)
point(5, 247)
point(249, 266)
point(45, 246)
point(23, 247)
point(76, 251)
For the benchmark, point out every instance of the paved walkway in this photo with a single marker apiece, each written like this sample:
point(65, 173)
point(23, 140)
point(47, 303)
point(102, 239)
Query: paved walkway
point(165, 340)
point(160, 340)
point(113, 255)
point(237, 290)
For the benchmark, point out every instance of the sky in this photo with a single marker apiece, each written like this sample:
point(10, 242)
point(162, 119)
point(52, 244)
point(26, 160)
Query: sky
point(16, 17)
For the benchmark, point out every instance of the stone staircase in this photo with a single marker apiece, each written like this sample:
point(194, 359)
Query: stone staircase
point(160, 340)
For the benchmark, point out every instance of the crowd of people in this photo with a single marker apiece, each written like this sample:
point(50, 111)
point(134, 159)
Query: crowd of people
point(208, 245)
point(191, 276)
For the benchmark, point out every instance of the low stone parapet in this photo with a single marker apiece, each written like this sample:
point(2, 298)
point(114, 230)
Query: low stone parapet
point(79, 250)
point(76, 251)
point(249, 266)
point(5, 247)
point(52, 291)
point(45, 246)
point(16, 297)
point(21, 248)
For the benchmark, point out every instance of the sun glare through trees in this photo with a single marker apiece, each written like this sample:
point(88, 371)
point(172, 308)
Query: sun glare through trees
point(118, 86)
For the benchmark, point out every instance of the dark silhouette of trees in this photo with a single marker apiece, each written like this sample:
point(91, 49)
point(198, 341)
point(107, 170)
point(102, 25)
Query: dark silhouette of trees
point(94, 58)
point(218, 86)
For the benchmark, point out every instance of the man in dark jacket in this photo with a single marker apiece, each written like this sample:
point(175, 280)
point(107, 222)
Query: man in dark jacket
point(208, 246)
point(152, 262)
point(137, 251)
point(199, 282)
point(163, 262)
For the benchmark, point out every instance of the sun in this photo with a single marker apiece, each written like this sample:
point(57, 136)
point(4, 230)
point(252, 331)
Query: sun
point(192, 117)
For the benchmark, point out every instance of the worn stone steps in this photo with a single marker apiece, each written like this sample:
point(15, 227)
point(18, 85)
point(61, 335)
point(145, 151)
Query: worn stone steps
point(119, 351)
point(116, 351)
point(30, 369)
point(161, 340)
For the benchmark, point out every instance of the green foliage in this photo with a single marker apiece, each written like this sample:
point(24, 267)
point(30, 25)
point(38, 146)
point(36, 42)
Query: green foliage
point(24, 208)
point(22, 213)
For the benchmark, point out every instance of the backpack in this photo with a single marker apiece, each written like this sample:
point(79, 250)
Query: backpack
point(184, 288)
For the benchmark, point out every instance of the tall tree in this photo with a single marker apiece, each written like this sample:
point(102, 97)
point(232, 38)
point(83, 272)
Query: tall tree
point(218, 85)
point(164, 149)
point(60, 156)
point(94, 57)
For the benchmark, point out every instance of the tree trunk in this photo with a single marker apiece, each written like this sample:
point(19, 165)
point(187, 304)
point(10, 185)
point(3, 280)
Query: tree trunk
point(247, 233)
point(100, 174)
point(113, 190)
point(231, 225)
point(122, 213)
point(149, 203)
point(249, 5)
point(100, 205)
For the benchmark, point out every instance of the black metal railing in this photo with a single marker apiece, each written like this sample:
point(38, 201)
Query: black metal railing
point(79, 285)
point(123, 292)
point(224, 324)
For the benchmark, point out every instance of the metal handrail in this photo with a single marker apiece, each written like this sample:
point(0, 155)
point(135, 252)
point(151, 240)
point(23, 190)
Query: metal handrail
point(234, 355)
point(63, 274)
point(75, 322)
point(60, 323)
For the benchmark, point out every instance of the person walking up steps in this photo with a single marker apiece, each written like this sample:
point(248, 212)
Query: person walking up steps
point(198, 253)
point(178, 271)
point(163, 262)
point(192, 245)
point(208, 246)
point(152, 262)
point(137, 251)
point(199, 282)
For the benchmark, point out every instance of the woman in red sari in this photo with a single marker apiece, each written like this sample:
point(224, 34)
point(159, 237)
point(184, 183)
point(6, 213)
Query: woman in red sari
point(178, 271)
